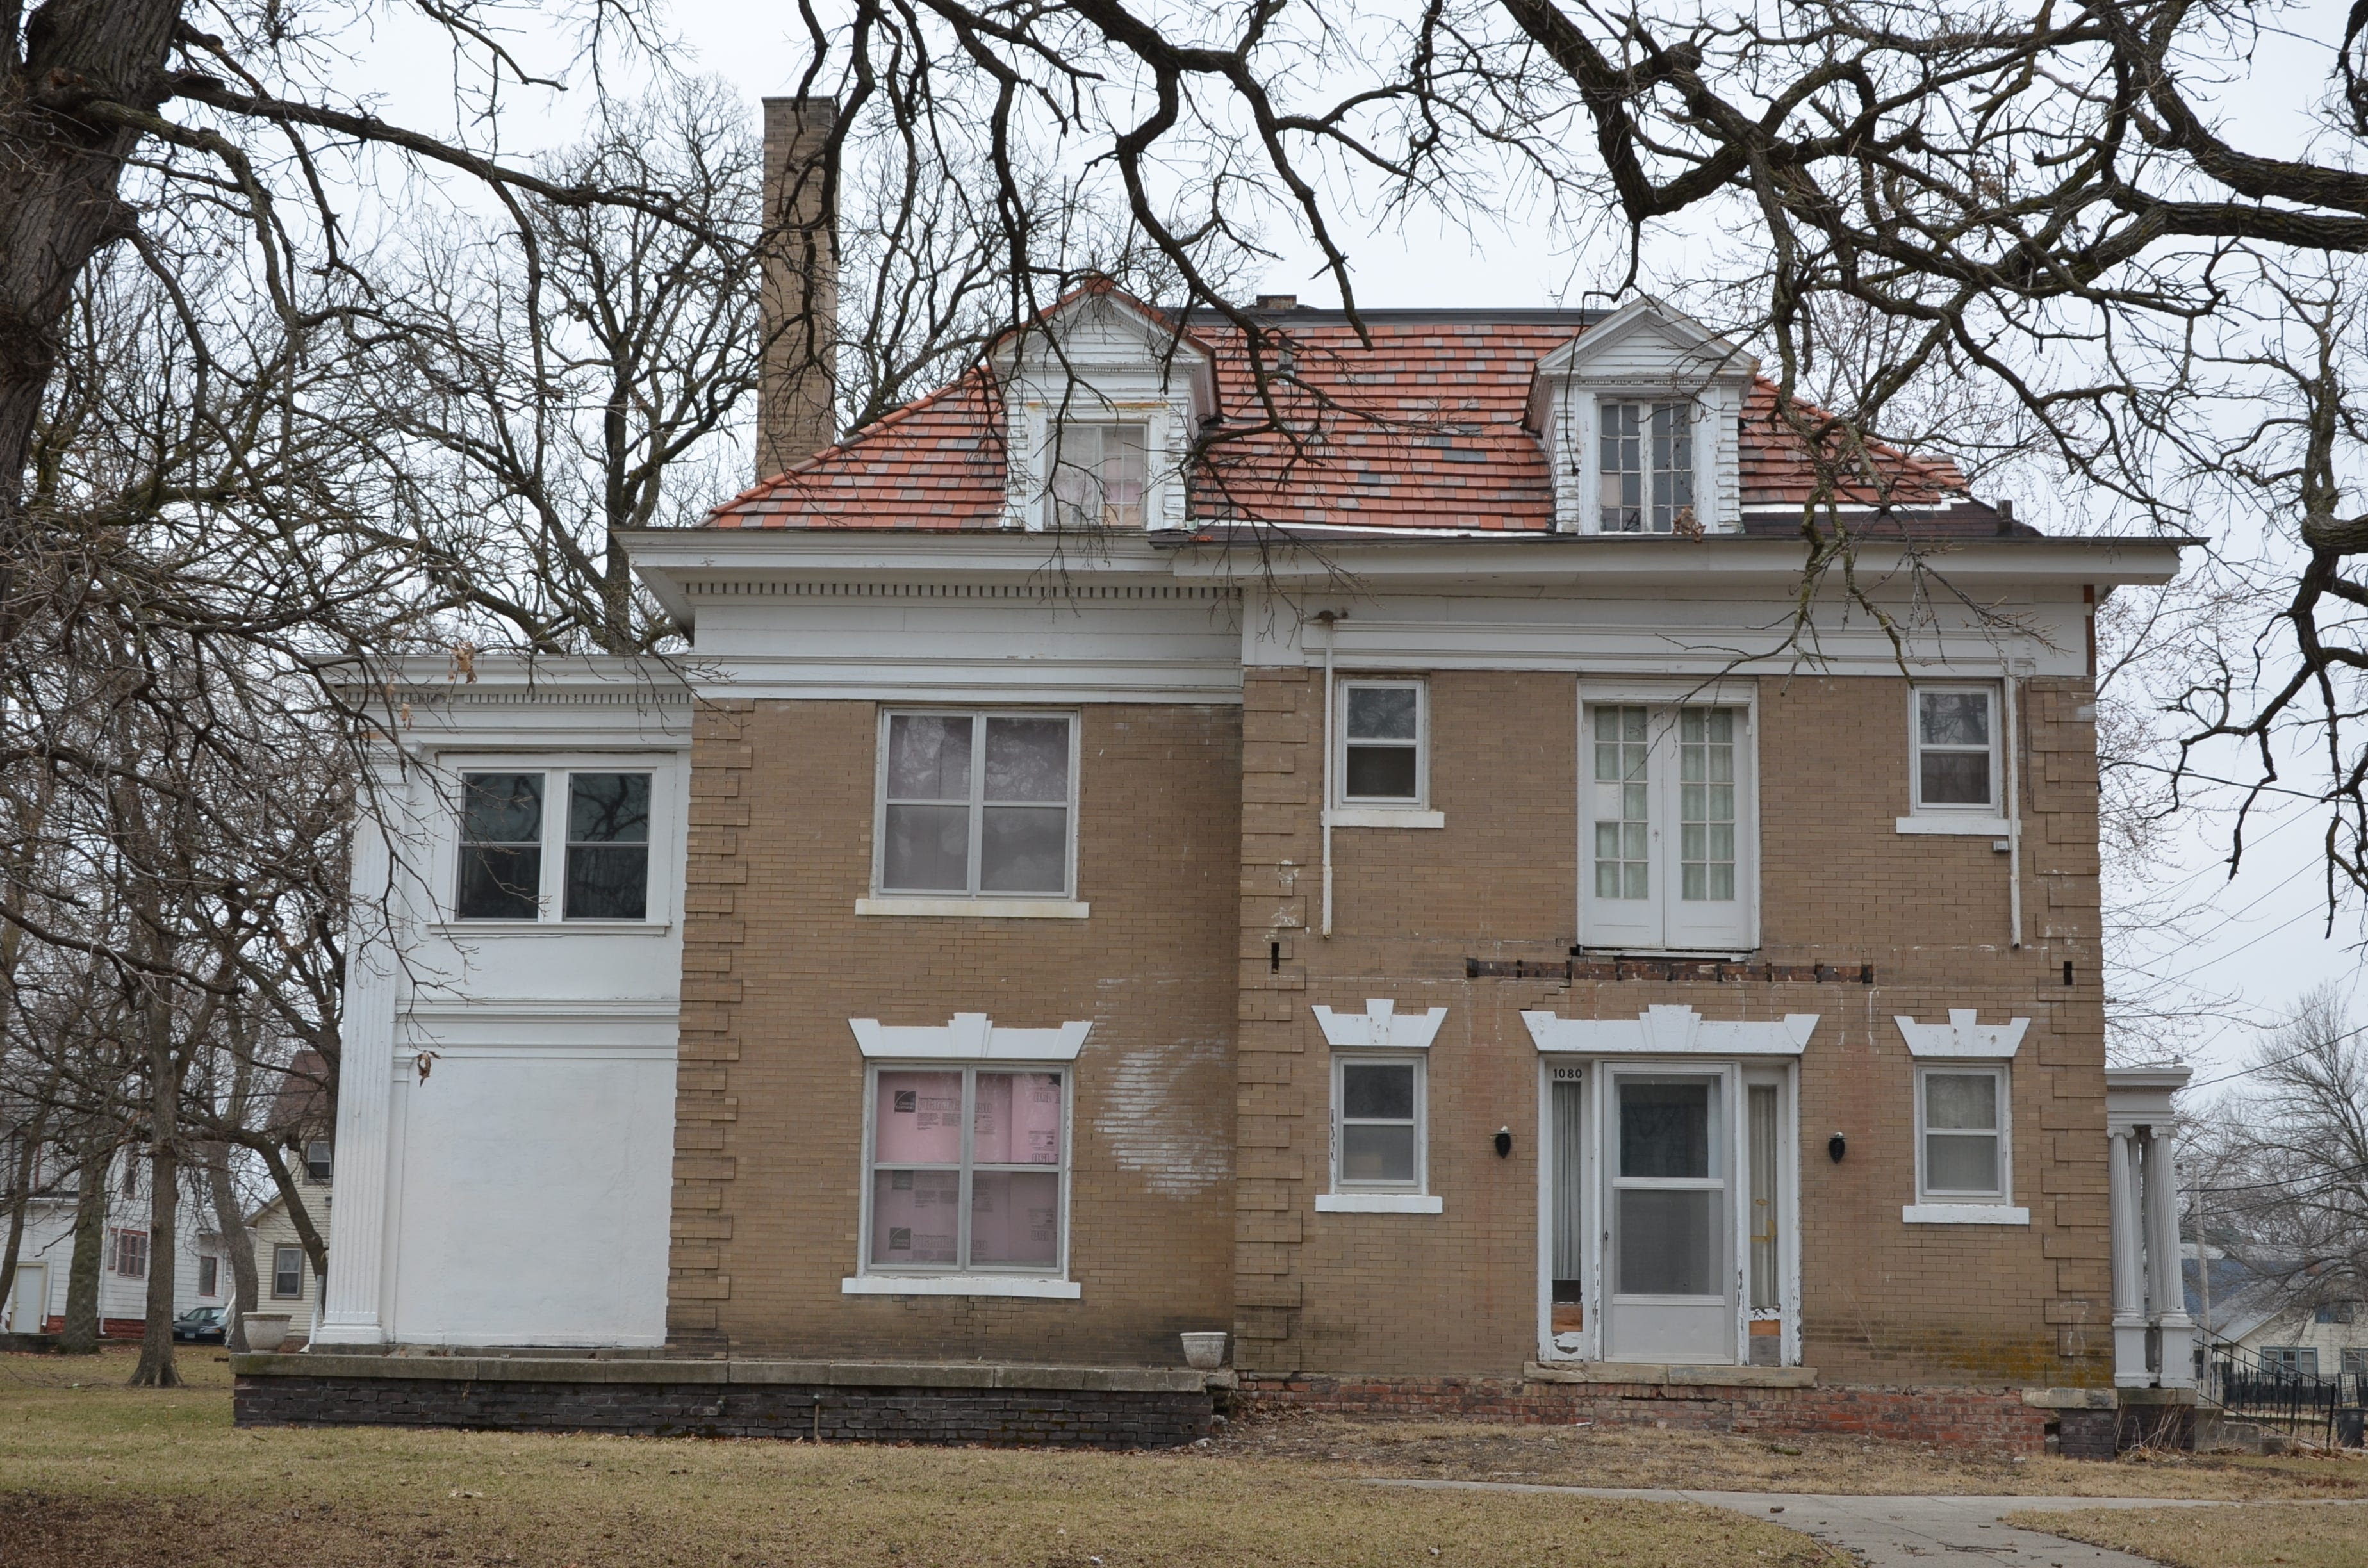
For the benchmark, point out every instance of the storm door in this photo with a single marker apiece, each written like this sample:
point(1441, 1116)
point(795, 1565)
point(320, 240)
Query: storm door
point(1670, 1231)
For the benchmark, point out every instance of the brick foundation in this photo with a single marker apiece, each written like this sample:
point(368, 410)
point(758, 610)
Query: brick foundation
point(692, 1398)
point(1989, 1419)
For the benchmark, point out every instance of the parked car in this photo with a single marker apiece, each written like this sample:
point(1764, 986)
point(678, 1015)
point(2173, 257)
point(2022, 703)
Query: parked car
point(205, 1325)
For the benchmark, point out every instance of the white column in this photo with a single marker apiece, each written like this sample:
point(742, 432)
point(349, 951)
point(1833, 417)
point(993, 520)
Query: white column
point(2129, 1261)
point(2176, 1368)
point(350, 1305)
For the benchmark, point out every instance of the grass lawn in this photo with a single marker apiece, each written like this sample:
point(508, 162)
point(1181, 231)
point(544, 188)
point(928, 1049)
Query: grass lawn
point(106, 1475)
point(2305, 1535)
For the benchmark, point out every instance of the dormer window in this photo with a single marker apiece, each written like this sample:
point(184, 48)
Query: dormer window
point(1645, 466)
point(1100, 476)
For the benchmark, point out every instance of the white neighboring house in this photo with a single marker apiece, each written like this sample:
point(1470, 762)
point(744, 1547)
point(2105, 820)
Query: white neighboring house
point(285, 1280)
point(45, 1260)
point(505, 1117)
point(2258, 1319)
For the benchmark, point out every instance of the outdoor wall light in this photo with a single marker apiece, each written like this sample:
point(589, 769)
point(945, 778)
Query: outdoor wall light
point(1504, 1142)
point(1837, 1146)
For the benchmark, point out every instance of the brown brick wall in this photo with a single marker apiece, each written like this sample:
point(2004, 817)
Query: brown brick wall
point(770, 1112)
point(1455, 1293)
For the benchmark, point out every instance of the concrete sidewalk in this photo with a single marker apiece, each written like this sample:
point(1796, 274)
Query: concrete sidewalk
point(1889, 1532)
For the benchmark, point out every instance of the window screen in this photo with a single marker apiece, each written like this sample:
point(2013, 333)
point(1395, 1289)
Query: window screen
point(501, 847)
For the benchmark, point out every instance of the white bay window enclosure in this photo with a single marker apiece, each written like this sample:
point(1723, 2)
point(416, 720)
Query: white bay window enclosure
point(968, 1171)
point(1667, 826)
point(976, 805)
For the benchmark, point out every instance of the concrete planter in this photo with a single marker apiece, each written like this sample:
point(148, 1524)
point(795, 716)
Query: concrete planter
point(265, 1331)
point(1206, 1352)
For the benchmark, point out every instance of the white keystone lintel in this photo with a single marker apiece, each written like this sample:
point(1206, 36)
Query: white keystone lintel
point(969, 1036)
point(1671, 1030)
point(1381, 1026)
point(1961, 1038)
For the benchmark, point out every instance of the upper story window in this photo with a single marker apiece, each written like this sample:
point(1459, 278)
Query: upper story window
point(1962, 1134)
point(1954, 739)
point(316, 1159)
point(977, 805)
point(1383, 743)
point(968, 1172)
point(1645, 466)
point(1100, 476)
point(1668, 825)
point(128, 1254)
point(603, 848)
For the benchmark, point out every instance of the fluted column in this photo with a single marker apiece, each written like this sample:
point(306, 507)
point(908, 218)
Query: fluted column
point(2129, 1259)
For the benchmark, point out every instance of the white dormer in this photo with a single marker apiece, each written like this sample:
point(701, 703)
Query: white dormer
point(1101, 405)
point(1640, 417)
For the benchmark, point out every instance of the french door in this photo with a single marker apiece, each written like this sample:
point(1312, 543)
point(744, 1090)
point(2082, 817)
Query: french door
point(1668, 853)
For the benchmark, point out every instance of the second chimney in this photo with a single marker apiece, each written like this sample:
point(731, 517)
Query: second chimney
point(798, 297)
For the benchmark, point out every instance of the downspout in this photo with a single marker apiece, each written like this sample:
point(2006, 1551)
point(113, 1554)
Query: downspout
point(1331, 621)
point(2013, 815)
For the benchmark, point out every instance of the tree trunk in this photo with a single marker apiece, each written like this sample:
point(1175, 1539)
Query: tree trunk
point(80, 1335)
point(156, 1368)
point(237, 1240)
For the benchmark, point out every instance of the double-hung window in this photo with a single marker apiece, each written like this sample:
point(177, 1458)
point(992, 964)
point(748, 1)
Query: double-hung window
point(1666, 828)
point(1100, 474)
point(599, 838)
point(977, 805)
point(1377, 1124)
point(1962, 1152)
point(969, 1170)
point(1645, 466)
point(1384, 743)
point(318, 1164)
point(286, 1273)
point(1953, 737)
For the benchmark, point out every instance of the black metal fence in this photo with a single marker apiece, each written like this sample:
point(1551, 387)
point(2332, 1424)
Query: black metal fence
point(2308, 1406)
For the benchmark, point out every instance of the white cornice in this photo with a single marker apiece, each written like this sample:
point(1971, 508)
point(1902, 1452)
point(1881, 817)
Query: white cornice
point(969, 1036)
point(1671, 1030)
point(1961, 1038)
point(1380, 1026)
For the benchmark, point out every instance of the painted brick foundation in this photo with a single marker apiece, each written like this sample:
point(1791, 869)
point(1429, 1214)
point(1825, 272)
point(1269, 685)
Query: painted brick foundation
point(646, 1403)
point(1989, 1419)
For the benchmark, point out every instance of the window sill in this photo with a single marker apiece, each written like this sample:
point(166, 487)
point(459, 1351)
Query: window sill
point(1967, 828)
point(549, 927)
point(1386, 816)
point(977, 908)
point(1963, 1214)
point(1378, 1203)
point(1032, 1287)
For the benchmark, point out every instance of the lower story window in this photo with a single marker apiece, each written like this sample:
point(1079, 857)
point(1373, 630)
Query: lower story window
point(286, 1273)
point(209, 1275)
point(1962, 1113)
point(969, 1170)
point(128, 1254)
point(1377, 1124)
point(2293, 1360)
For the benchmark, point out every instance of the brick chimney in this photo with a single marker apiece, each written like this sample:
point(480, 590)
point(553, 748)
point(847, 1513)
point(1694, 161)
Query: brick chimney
point(798, 301)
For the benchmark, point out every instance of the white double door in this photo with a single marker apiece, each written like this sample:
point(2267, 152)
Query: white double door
point(1666, 1181)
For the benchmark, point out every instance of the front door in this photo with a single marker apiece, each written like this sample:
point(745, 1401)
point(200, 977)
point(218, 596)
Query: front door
point(1670, 1231)
point(30, 1310)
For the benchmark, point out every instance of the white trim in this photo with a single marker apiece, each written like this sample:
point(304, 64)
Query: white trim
point(1671, 1030)
point(450, 765)
point(1386, 816)
point(470, 930)
point(1381, 1027)
point(1419, 1065)
point(1970, 827)
point(1962, 1039)
point(1379, 1203)
point(968, 1037)
point(974, 908)
point(1964, 1215)
point(1029, 1287)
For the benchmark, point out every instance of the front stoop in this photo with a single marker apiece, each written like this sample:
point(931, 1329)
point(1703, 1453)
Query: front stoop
point(909, 1402)
point(2098, 1424)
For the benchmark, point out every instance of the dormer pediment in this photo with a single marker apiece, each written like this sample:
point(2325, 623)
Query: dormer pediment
point(1639, 417)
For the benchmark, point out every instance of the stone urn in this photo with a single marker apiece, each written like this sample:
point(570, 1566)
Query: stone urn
point(1203, 1352)
point(265, 1331)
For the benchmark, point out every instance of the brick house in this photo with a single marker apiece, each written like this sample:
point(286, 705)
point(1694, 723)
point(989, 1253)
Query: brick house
point(1415, 901)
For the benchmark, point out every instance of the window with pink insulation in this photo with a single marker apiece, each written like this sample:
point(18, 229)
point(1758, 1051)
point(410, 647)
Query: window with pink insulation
point(967, 1170)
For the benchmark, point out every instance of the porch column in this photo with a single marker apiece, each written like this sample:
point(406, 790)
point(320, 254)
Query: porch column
point(2129, 1265)
point(349, 1311)
point(2169, 1308)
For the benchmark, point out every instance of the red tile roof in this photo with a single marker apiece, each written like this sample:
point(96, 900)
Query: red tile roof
point(1422, 428)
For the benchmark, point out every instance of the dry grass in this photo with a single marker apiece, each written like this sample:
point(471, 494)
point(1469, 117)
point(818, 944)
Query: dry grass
point(1631, 1456)
point(106, 1475)
point(2303, 1535)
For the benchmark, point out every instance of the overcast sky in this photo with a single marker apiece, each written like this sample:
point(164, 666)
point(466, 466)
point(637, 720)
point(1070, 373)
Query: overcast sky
point(2261, 938)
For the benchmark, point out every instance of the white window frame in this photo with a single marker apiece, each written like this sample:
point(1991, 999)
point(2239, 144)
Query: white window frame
point(1346, 1196)
point(1056, 425)
point(1616, 925)
point(882, 900)
point(1932, 1208)
point(1991, 817)
point(1002, 1279)
point(205, 1261)
point(1647, 404)
point(1364, 810)
point(1710, 407)
point(279, 1248)
point(657, 903)
point(329, 1158)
